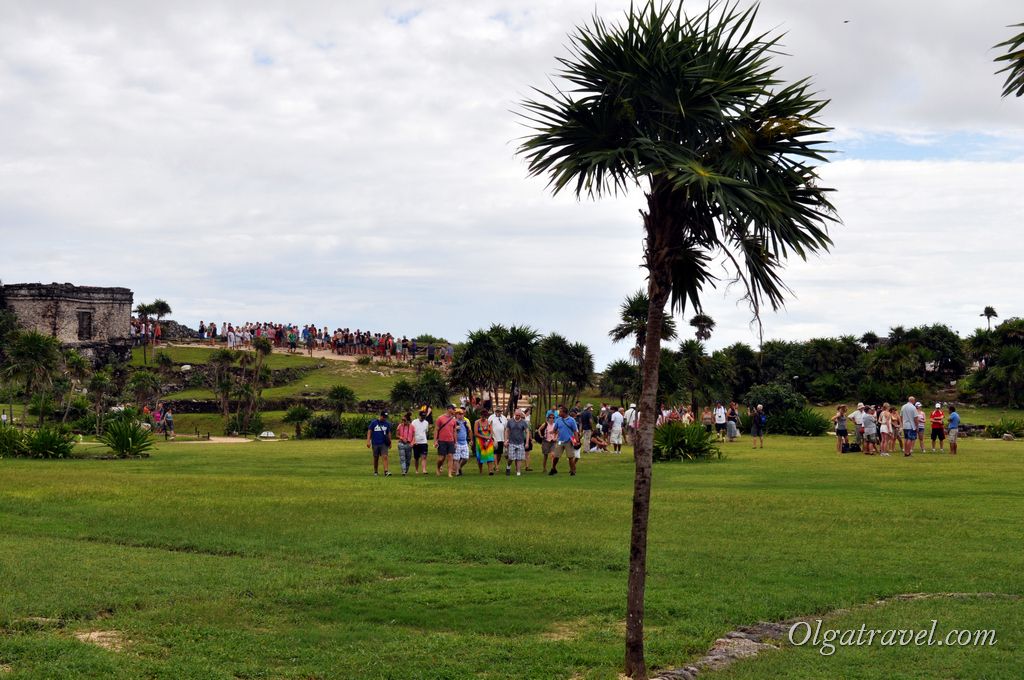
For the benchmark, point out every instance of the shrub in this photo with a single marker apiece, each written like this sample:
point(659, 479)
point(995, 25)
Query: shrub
point(1014, 426)
point(801, 422)
point(355, 427)
point(49, 442)
point(364, 360)
point(326, 426)
point(297, 415)
point(42, 402)
point(127, 438)
point(879, 392)
point(12, 442)
point(776, 397)
point(676, 441)
point(827, 388)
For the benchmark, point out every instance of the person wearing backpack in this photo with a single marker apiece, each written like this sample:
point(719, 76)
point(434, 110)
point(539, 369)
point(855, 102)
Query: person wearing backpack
point(758, 421)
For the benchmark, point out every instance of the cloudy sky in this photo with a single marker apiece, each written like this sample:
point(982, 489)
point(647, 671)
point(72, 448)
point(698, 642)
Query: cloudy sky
point(353, 164)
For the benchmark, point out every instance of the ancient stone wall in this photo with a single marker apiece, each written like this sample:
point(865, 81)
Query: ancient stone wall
point(93, 320)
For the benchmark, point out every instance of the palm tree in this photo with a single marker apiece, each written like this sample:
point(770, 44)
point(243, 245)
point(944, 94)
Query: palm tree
point(519, 344)
point(297, 415)
point(144, 311)
point(223, 385)
point(691, 109)
point(479, 362)
point(870, 340)
point(144, 388)
point(704, 325)
point(989, 314)
point(341, 398)
point(77, 368)
point(100, 385)
point(160, 309)
point(33, 359)
point(1014, 67)
point(633, 324)
point(619, 380)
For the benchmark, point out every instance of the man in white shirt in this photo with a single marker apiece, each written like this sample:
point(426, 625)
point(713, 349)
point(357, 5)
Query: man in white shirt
point(420, 428)
point(720, 420)
point(618, 418)
point(858, 420)
point(630, 417)
point(497, 421)
point(909, 415)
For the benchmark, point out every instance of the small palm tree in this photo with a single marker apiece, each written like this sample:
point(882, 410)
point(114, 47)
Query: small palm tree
point(144, 311)
point(989, 314)
point(691, 110)
point(341, 398)
point(99, 388)
point(297, 415)
point(33, 359)
point(1014, 63)
point(633, 324)
point(160, 309)
point(704, 325)
point(77, 368)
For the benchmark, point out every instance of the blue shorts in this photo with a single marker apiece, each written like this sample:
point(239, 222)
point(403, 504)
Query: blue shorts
point(910, 435)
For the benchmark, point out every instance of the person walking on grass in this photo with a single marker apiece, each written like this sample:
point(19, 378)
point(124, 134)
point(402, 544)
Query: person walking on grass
point(758, 421)
point(498, 423)
point(566, 429)
point(378, 440)
point(444, 441)
point(406, 436)
point(483, 437)
point(954, 429)
point(586, 427)
point(463, 440)
point(547, 435)
point(842, 435)
point(420, 429)
point(720, 419)
point(909, 416)
point(517, 434)
point(937, 418)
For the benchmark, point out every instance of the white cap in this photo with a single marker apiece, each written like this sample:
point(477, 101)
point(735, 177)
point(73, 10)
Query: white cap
point(860, 404)
point(632, 405)
point(938, 405)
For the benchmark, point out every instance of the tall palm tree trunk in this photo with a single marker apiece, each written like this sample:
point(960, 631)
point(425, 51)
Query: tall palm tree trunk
point(658, 290)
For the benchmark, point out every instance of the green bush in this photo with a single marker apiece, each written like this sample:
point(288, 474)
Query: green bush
point(364, 360)
point(1014, 426)
point(49, 442)
point(827, 388)
point(324, 426)
point(355, 427)
point(297, 415)
point(879, 392)
point(127, 438)
point(12, 442)
point(776, 397)
point(676, 441)
point(801, 422)
point(42, 402)
point(85, 424)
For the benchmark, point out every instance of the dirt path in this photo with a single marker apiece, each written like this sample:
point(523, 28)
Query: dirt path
point(217, 440)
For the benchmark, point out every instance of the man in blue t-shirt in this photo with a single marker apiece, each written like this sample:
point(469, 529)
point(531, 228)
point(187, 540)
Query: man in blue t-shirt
point(378, 439)
point(567, 428)
point(953, 429)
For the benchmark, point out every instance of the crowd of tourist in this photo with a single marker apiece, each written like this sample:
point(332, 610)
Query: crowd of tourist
point(886, 429)
point(310, 337)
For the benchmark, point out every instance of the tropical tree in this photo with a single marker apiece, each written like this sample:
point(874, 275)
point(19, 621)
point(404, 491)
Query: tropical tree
point(341, 398)
point(989, 314)
point(620, 380)
point(160, 309)
point(479, 362)
point(144, 311)
point(519, 344)
point(704, 325)
point(297, 415)
point(633, 324)
point(143, 387)
point(870, 340)
point(76, 369)
point(1014, 63)
point(100, 386)
point(222, 382)
point(690, 108)
point(33, 360)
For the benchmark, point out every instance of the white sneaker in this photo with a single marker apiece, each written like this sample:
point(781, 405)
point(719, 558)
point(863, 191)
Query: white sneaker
point(884, 454)
point(519, 474)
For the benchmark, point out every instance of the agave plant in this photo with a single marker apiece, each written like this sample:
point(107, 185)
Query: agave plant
point(127, 438)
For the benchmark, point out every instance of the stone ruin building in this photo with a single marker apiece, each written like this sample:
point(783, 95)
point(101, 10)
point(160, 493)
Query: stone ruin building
point(95, 321)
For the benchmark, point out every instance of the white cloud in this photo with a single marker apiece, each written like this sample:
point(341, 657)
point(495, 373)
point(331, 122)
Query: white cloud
point(353, 164)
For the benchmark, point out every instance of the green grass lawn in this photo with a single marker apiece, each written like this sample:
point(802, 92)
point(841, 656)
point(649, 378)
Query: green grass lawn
point(289, 560)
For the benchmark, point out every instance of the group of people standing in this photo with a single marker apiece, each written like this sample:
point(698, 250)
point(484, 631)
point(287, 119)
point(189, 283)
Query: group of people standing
point(887, 429)
point(488, 439)
point(309, 337)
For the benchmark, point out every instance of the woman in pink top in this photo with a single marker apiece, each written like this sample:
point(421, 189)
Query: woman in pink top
point(406, 435)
